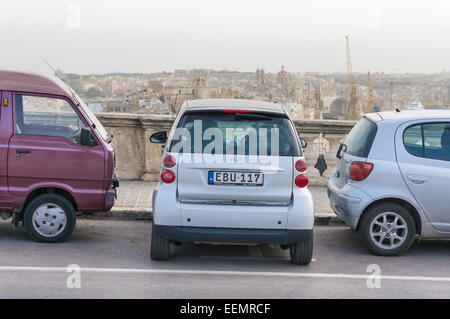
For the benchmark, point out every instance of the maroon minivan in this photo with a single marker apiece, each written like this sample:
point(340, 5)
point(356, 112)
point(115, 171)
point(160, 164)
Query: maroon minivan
point(56, 158)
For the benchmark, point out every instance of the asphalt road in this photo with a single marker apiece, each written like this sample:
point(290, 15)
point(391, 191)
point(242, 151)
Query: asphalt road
point(115, 263)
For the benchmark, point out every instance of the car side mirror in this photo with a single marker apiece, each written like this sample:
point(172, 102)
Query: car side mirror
point(303, 142)
point(86, 138)
point(159, 137)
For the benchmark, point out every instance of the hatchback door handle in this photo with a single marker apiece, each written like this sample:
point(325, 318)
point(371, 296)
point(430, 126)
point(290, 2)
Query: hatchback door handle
point(417, 179)
point(22, 151)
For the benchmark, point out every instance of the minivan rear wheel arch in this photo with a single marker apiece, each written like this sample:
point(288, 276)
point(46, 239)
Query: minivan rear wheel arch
point(411, 209)
point(46, 190)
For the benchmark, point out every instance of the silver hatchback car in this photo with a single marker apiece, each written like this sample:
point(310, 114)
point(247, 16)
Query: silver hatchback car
point(393, 177)
point(233, 172)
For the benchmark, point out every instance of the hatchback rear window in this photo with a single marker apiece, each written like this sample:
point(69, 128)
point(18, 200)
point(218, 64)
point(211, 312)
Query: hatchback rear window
point(360, 139)
point(218, 132)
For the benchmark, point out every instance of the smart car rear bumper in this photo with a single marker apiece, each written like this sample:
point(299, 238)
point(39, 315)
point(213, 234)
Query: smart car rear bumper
point(233, 235)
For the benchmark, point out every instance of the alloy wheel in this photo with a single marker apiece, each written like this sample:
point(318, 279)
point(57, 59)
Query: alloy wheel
point(388, 230)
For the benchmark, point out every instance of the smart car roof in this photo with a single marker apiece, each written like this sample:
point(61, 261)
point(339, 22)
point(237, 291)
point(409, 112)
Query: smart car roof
point(238, 104)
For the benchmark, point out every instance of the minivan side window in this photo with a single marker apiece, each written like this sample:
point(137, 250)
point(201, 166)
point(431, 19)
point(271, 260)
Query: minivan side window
point(429, 140)
point(46, 116)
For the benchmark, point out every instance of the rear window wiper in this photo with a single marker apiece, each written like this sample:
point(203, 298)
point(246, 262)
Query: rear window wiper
point(342, 147)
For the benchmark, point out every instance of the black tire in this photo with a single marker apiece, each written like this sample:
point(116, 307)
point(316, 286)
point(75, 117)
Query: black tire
point(375, 213)
point(160, 247)
point(302, 252)
point(50, 199)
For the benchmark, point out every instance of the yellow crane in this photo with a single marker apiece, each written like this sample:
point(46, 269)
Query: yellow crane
point(352, 112)
point(371, 99)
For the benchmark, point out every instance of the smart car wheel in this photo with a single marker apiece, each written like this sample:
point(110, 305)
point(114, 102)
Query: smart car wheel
point(50, 218)
point(301, 252)
point(388, 229)
point(160, 246)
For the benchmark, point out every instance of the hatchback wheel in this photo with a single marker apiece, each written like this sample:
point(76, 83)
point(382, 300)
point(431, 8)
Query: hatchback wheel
point(50, 218)
point(388, 229)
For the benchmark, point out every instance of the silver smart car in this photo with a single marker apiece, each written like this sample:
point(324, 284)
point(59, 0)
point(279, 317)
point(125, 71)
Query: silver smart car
point(393, 178)
point(233, 172)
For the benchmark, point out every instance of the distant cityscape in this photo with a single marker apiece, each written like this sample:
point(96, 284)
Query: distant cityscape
point(307, 96)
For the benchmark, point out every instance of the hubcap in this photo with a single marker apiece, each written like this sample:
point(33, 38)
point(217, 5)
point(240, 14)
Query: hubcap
point(388, 230)
point(49, 220)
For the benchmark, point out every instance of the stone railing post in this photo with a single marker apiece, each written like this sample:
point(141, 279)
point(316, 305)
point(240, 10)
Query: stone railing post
point(152, 152)
point(333, 131)
point(127, 143)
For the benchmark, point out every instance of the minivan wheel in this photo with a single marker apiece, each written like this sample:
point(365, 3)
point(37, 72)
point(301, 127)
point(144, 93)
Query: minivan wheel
point(388, 229)
point(301, 252)
point(50, 218)
point(160, 247)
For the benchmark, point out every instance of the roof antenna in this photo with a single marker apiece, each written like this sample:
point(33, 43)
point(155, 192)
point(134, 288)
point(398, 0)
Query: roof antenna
point(397, 110)
point(48, 64)
point(54, 72)
point(63, 82)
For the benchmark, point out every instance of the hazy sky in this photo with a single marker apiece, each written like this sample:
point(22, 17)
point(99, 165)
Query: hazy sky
point(98, 36)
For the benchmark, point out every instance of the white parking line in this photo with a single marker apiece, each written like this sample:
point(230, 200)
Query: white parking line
point(223, 273)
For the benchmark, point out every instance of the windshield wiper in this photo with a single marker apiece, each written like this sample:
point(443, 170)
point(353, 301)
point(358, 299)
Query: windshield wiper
point(342, 147)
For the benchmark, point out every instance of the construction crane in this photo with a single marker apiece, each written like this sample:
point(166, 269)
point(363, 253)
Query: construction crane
point(371, 99)
point(352, 112)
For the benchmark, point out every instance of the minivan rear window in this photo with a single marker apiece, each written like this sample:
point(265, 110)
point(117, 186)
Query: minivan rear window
point(242, 133)
point(360, 139)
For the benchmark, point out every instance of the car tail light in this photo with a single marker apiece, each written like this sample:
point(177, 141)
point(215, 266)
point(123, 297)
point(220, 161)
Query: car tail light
point(169, 161)
point(301, 180)
point(301, 166)
point(360, 170)
point(167, 176)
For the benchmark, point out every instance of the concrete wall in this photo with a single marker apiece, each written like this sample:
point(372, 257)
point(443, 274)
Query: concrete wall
point(137, 158)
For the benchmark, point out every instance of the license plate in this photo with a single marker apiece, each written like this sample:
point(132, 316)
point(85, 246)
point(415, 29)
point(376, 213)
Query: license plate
point(235, 178)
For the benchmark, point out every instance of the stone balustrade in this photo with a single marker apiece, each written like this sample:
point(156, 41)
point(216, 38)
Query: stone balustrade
point(137, 158)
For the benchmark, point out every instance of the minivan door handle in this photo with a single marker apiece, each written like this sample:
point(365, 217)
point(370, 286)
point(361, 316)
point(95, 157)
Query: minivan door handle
point(22, 151)
point(417, 179)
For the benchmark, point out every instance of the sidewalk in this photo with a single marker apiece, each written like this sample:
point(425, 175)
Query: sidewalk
point(134, 202)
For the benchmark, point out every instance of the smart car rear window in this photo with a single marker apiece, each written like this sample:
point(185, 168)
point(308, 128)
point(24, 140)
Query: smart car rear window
point(252, 134)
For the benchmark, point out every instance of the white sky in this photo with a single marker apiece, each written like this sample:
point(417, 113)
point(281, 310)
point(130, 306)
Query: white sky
point(98, 36)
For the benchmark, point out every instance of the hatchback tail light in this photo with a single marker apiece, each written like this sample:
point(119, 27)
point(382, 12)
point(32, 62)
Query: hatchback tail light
point(169, 161)
point(167, 176)
point(301, 180)
point(360, 170)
